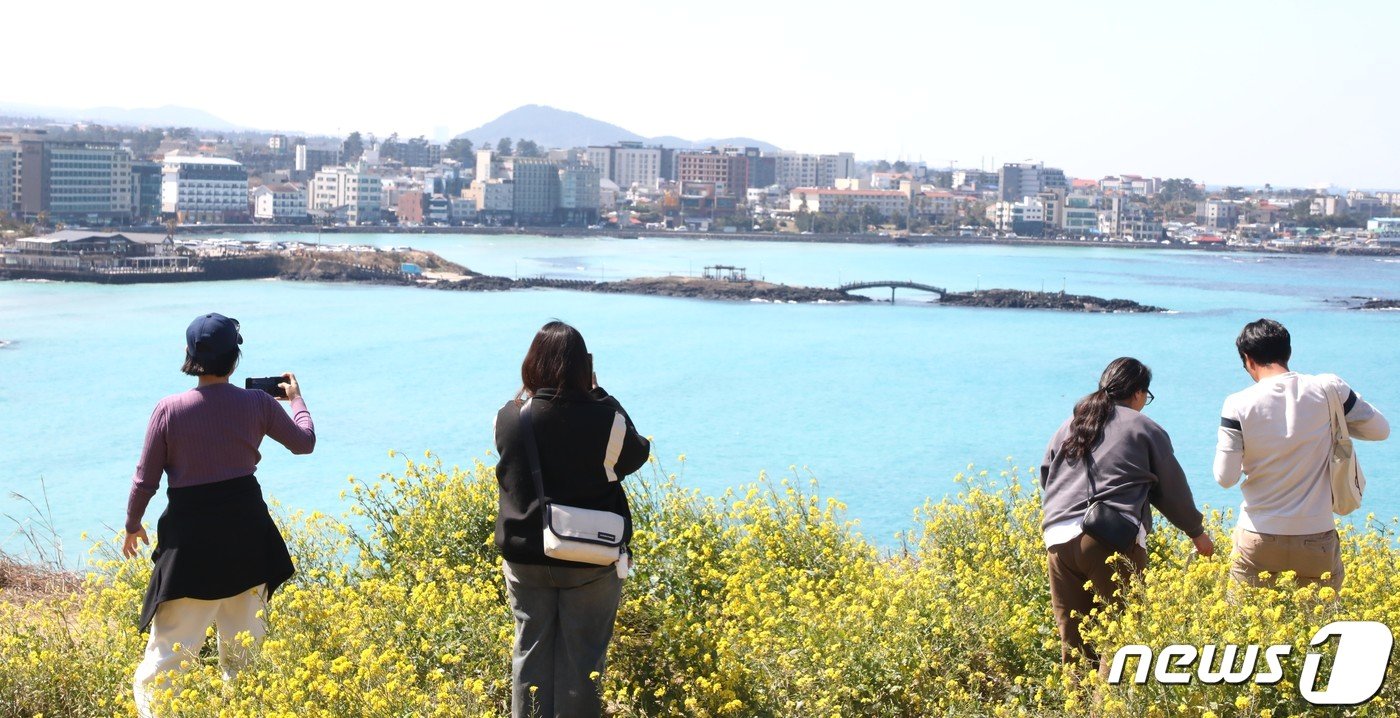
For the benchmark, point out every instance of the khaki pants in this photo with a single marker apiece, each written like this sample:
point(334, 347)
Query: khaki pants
point(1308, 555)
point(1075, 563)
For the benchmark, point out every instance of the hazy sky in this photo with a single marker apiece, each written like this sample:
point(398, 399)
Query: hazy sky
point(1293, 93)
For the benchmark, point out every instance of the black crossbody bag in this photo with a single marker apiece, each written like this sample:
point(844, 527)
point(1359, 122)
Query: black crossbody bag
point(1105, 524)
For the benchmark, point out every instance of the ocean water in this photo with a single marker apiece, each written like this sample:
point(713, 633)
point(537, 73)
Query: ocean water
point(882, 404)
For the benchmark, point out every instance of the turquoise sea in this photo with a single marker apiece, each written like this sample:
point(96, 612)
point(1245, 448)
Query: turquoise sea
point(882, 404)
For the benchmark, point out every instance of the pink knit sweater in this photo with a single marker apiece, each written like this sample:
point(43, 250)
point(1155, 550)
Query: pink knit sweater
point(212, 433)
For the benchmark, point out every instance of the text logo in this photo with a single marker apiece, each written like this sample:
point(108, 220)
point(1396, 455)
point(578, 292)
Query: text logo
point(1363, 654)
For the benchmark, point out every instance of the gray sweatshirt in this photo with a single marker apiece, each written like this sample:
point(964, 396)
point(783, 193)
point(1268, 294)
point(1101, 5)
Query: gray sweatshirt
point(1134, 470)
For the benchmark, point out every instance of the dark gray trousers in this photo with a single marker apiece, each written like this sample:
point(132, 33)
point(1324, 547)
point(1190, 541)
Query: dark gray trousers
point(563, 623)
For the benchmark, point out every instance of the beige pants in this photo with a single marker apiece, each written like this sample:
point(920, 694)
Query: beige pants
point(1309, 555)
point(182, 623)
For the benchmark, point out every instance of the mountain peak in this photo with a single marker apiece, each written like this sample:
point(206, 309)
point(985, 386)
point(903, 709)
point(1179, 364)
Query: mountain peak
point(553, 127)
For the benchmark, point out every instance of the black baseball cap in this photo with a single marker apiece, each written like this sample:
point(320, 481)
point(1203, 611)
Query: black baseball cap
point(211, 336)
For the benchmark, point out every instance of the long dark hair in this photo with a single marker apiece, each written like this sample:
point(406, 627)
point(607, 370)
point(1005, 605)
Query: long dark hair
point(1124, 377)
point(558, 359)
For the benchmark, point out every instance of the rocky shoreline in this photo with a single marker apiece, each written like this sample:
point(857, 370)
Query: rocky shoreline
point(717, 289)
point(1380, 304)
point(434, 272)
point(1058, 301)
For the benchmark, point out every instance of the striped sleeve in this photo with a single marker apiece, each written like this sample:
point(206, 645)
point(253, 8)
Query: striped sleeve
point(1364, 421)
point(616, 436)
point(1229, 447)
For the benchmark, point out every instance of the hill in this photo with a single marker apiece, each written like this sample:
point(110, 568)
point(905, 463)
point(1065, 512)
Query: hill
point(165, 116)
point(551, 127)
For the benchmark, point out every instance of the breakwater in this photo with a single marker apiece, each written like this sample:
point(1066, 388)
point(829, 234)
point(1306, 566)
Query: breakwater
point(434, 272)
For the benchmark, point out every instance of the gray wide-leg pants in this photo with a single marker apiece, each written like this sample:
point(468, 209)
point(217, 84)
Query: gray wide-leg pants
point(563, 623)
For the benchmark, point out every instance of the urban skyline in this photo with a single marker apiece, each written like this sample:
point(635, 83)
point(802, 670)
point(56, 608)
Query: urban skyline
point(1248, 93)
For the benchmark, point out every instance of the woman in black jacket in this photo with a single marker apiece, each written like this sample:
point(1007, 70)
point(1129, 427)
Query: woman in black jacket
point(564, 610)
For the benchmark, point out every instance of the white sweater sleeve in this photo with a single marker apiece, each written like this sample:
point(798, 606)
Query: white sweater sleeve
point(1363, 420)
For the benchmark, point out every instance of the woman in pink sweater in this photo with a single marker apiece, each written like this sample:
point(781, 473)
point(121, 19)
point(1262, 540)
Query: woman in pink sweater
point(218, 556)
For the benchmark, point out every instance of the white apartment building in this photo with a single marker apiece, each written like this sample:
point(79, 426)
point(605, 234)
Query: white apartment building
point(834, 167)
point(349, 192)
point(1011, 216)
point(203, 189)
point(279, 203)
point(628, 164)
point(795, 169)
point(823, 200)
point(494, 197)
point(1131, 184)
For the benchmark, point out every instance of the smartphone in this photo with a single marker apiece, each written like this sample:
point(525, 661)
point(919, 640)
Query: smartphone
point(269, 384)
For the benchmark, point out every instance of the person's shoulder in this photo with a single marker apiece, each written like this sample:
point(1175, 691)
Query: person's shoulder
point(509, 409)
point(1327, 380)
point(1243, 397)
point(1137, 420)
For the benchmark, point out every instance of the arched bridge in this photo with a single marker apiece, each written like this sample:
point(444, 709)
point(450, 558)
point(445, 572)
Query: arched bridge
point(893, 285)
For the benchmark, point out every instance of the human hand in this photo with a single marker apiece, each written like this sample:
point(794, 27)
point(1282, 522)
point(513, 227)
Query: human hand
point(290, 387)
point(1204, 546)
point(129, 542)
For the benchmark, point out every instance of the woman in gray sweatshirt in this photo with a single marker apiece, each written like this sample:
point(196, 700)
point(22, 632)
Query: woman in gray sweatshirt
point(1108, 451)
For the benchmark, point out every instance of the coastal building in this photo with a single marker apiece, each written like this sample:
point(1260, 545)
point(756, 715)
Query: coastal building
point(1385, 229)
point(416, 152)
point(800, 170)
point(489, 166)
point(1219, 215)
point(1129, 217)
point(628, 164)
point(727, 173)
point(1131, 184)
point(8, 176)
point(410, 206)
point(937, 206)
point(495, 199)
point(74, 250)
point(826, 200)
point(310, 160)
point(282, 202)
point(1080, 214)
point(1025, 217)
point(1028, 179)
point(146, 181)
point(972, 180)
point(580, 189)
point(795, 169)
point(349, 193)
point(834, 167)
point(463, 210)
point(1327, 206)
point(536, 193)
point(438, 210)
point(196, 188)
point(74, 182)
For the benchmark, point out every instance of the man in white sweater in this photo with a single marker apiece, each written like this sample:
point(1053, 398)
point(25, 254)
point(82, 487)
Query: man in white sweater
point(1279, 433)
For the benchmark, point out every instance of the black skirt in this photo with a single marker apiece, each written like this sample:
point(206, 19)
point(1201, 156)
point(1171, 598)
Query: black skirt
point(215, 541)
